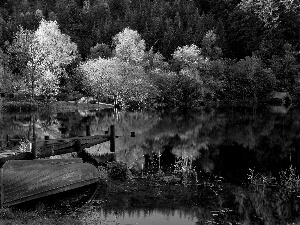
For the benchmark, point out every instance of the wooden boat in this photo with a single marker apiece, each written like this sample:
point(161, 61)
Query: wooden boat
point(26, 176)
point(25, 180)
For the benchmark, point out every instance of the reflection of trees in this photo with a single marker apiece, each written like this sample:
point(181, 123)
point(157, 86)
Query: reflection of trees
point(20, 126)
point(258, 139)
point(265, 207)
point(226, 143)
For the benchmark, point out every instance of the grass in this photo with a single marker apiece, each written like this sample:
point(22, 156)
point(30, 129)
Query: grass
point(36, 217)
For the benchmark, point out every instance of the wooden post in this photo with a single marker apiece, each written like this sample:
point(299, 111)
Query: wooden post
point(1, 187)
point(77, 146)
point(7, 141)
point(88, 130)
point(112, 138)
point(33, 148)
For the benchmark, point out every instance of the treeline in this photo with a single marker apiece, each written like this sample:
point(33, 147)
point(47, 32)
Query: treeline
point(194, 51)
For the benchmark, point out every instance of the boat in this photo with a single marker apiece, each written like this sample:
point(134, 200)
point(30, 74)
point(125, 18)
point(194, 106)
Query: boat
point(31, 174)
point(26, 180)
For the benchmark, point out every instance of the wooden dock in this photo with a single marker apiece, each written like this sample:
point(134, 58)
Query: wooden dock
point(47, 147)
point(26, 175)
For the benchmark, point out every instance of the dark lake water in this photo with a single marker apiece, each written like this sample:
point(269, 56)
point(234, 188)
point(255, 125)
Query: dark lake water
point(234, 147)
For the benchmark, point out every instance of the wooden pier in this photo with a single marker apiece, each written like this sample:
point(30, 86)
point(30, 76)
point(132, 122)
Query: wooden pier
point(26, 175)
point(50, 147)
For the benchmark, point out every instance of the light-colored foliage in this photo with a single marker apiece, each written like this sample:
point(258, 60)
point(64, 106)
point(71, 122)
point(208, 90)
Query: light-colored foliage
point(135, 86)
point(129, 46)
point(155, 60)
point(197, 69)
point(115, 78)
point(187, 55)
point(39, 14)
point(102, 76)
point(209, 48)
point(22, 41)
point(56, 47)
point(46, 52)
point(269, 10)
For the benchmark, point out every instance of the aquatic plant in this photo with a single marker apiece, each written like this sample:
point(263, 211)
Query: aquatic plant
point(185, 170)
point(289, 180)
point(118, 171)
point(260, 181)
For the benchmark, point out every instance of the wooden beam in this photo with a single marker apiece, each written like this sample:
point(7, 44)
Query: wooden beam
point(33, 148)
point(112, 138)
point(88, 130)
point(1, 188)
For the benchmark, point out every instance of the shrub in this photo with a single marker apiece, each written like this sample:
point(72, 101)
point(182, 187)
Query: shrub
point(117, 171)
point(177, 90)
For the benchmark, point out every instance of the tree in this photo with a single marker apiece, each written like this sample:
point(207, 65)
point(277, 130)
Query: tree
point(9, 82)
point(266, 10)
point(1, 70)
point(187, 56)
point(249, 80)
point(113, 78)
point(270, 11)
point(100, 50)
point(46, 52)
point(129, 46)
point(101, 77)
point(287, 70)
point(209, 48)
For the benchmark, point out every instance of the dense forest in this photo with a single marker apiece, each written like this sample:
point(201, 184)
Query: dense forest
point(151, 53)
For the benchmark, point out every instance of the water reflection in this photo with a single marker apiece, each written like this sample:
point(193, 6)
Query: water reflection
point(226, 143)
point(221, 143)
point(141, 217)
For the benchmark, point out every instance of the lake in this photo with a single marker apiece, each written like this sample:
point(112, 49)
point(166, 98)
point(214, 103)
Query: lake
point(248, 157)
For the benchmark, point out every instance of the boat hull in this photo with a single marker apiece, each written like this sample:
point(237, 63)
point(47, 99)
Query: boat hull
point(25, 180)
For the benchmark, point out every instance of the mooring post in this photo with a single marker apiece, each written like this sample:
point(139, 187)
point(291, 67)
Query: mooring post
point(88, 130)
point(7, 141)
point(1, 187)
point(33, 148)
point(78, 147)
point(112, 138)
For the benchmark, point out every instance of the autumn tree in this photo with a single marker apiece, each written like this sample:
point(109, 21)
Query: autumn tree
point(102, 77)
point(129, 46)
point(45, 51)
point(122, 76)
